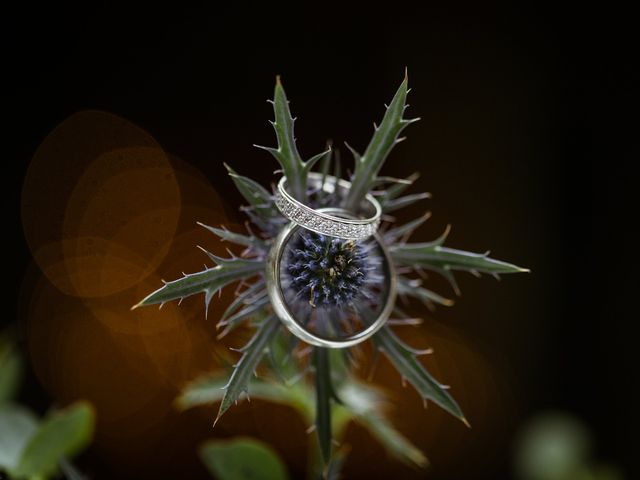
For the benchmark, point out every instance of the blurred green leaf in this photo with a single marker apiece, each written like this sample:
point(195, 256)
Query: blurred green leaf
point(556, 445)
point(339, 359)
point(210, 389)
point(553, 446)
point(360, 402)
point(11, 369)
point(17, 426)
point(281, 357)
point(412, 288)
point(242, 459)
point(63, 435)
point(366, 405)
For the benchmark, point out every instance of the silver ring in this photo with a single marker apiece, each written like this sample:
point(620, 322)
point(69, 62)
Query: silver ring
point(282, 310)
point(323, 223)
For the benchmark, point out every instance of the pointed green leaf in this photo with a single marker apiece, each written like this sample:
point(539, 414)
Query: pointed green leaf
point(404, 360)
point(325, 163)
point(392, 205)
point(399, 186)
point(313, 160)
point(251, 355)
point(287, 153)
point(208, 281)
point(17, 426)
point(63, 435)
point(255, 194)
point(404, 231)
point(436, 256)
point(329, 182)
point(294, 168)
point(251, 310)
point(242, 459)
point(383, 140)
point(393, 181)
point(237, 238)
point(337, 166)
point(254, 291)
point(412, 288)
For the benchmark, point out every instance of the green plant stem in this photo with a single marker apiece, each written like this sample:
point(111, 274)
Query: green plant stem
point(323, 400)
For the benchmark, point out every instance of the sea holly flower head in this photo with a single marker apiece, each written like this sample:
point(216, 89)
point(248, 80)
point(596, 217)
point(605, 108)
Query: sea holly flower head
point(328, 271)
point(325, 275)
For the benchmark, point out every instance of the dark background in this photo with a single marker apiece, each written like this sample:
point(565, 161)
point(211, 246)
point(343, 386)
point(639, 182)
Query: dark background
point(524, 143)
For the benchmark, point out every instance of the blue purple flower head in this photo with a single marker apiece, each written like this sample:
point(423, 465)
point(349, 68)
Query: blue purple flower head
point(327, 272)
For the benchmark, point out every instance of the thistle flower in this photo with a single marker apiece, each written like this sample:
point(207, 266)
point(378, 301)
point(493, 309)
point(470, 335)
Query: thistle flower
point(325, 279)
point(330, 284)
point(329, 272)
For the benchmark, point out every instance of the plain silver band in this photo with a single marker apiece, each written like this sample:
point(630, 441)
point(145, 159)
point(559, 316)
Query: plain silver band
point(274, 290)
point(323, 223)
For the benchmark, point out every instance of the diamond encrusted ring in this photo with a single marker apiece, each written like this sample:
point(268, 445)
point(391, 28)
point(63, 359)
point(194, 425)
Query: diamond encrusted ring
point(324, 223)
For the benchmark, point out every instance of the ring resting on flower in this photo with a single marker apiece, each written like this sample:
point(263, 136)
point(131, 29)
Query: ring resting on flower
point(330, 292)
point(352, 228)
